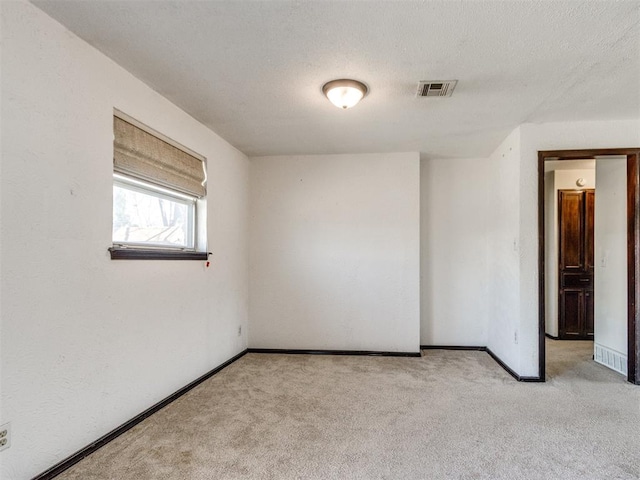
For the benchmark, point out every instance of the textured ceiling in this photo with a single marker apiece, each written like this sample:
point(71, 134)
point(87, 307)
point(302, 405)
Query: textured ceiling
point(253, 71)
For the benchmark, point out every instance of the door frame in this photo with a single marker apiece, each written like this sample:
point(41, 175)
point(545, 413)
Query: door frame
point(633, 250)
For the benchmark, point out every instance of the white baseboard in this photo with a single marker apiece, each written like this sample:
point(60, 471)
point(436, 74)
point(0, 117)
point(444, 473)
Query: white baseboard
point(610, 358)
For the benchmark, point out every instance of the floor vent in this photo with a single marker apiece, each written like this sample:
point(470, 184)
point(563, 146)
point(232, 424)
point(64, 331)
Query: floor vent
point(610, 358)
point(436, 88)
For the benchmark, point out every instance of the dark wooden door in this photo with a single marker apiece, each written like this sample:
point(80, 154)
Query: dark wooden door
point(576, 222)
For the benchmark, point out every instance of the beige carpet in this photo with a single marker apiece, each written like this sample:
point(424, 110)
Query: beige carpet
point(449, 414)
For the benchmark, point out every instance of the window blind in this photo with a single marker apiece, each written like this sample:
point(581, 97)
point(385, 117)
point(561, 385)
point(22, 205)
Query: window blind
point(140, 154)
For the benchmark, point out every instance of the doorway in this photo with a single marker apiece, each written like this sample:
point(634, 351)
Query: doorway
point(633, 248)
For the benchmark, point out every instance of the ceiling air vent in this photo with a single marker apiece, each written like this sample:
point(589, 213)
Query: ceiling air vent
point(436, 88)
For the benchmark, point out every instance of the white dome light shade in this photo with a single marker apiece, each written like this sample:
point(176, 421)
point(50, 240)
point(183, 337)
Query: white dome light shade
point(345, 93)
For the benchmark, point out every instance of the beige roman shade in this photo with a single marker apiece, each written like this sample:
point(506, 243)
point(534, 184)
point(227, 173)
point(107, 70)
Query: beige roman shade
point(142, 155)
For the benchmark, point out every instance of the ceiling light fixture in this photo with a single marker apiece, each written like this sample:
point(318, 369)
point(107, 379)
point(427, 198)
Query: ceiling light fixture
point(345, 93)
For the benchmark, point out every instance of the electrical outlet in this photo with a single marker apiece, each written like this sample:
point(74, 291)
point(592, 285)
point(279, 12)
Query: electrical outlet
point(515, 337)
point(5, 436)
point(240, 330)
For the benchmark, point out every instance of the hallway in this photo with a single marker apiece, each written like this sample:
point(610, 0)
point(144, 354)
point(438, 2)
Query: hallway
point(572, 360)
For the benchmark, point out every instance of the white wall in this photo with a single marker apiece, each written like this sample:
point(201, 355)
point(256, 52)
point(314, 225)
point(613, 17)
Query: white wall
point(453, 214)
point(87, 342)
point(334, 252)
point(503, 244)
point(611, 257)
point(1, 236)
point(550, 136)
point(550, 254)
point(554, 181)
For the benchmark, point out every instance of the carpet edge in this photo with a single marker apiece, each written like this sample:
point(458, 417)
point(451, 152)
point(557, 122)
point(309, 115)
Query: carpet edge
point(84, 452)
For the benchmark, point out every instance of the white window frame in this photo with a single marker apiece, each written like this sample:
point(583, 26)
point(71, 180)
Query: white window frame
point(148, 188)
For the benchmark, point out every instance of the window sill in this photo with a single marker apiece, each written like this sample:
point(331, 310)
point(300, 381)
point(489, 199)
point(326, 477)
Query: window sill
point(118, 253)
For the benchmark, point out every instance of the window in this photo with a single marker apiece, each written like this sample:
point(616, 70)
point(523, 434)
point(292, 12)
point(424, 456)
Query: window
point(146, 215)
point(158, 195)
